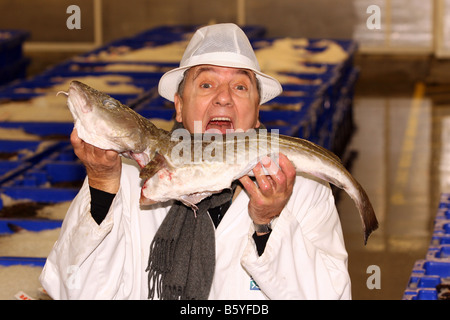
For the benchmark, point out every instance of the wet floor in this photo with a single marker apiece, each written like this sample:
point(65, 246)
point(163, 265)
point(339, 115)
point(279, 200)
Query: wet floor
point(401, 119)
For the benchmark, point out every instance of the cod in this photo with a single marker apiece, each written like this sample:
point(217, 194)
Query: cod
point(190, 167)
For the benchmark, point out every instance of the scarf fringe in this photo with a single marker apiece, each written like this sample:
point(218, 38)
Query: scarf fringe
point(160, 263)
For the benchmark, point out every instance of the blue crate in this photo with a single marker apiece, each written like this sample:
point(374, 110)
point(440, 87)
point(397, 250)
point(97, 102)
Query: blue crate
point(18, 146)
point(442, 226)
point(79, 69)
point(28, 159)
point(35, 87)
point(439, 238)
point(25, 261)
point(425, 277)
point(6, 166)
point(11, 46)
point(15, 71)
point(441, 253)
point(37, 181)
point(28, 224)
point(22, 150)
point(421, 294)
point(42, 129)
point(40, 194)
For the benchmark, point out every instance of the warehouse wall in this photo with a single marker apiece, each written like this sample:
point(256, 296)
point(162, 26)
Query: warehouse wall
point(46, 19)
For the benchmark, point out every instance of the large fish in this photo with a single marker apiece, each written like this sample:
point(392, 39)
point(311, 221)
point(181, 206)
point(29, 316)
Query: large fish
point(189, 167)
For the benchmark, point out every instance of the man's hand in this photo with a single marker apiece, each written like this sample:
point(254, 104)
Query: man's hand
point(269, 197)
point(103, 167)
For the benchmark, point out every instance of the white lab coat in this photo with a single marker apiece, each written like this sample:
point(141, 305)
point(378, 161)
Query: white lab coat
point(304, 258)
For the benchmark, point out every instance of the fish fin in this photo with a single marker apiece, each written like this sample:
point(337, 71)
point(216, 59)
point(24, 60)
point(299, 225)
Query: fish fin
point(368, 217)
point(141, 158)
point(192, 199)
point(158, 162)
point(366, 212)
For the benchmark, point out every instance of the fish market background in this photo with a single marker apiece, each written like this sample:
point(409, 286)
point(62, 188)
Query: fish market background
point(378, 98)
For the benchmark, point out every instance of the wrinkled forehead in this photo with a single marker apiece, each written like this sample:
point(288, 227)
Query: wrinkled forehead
point(196, 71)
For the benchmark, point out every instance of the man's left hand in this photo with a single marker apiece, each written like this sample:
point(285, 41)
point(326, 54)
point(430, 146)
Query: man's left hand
point(272, 192)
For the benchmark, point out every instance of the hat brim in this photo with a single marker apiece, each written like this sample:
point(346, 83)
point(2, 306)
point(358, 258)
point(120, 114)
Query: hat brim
point(169, 82)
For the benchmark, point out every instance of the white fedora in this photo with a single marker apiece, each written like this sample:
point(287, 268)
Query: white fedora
point(224, 45)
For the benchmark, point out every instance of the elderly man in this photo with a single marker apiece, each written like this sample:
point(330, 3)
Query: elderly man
point(278, 237)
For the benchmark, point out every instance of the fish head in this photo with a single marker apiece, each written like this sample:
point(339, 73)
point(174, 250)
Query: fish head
point(102, 120)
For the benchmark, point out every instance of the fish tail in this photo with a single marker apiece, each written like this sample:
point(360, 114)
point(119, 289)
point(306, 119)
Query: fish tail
point(367, 214)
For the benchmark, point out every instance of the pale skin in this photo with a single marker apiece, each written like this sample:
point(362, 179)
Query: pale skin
point(221, 98)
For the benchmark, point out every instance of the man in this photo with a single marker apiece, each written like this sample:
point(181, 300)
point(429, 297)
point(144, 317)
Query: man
point(278, 237)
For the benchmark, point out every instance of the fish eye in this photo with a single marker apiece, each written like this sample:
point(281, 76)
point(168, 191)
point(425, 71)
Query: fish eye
point(109, 103)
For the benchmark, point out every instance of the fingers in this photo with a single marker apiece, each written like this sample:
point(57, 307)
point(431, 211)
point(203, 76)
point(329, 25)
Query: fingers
point(86, 151)
point(273, 180)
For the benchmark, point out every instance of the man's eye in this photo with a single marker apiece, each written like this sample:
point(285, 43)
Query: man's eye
point(241, 87)
point(205, 85)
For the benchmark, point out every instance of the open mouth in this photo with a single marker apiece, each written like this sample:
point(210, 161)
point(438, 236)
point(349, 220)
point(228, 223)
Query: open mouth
point(221, 124)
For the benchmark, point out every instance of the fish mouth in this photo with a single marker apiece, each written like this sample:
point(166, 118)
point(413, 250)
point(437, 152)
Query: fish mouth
point(78, 98)
point(222, 124)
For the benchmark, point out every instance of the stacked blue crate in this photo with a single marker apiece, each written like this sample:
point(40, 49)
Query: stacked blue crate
point(13, 64)
point(430, 277)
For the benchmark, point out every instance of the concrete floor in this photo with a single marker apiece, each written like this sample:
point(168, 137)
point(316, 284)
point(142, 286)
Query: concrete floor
point(399, 109)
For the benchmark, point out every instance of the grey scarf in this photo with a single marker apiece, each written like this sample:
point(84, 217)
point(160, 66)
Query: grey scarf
point(182, 254)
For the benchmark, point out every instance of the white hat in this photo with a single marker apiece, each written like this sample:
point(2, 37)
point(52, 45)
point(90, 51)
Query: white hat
point(224, 45)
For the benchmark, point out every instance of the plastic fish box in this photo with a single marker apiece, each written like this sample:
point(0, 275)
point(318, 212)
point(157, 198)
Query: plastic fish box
point(426, 276)
point(40, 194)
point(121, 46)
point(442, 226)
point(181, 32)
point(58, 171)
point(28, 224)
point(293, 123)
point(441, 253)
point(432, 268)
point(35, 88)
point(12, 153)
point(48, 180)
point(11, 45)
point(165, 30)
point(30, 159)
point(304, 89)
point(42, 129)
point(15, 71)
point(439, 238)
point(6, 166)
point(131, 69)
point(443, 211)
point(20, 148)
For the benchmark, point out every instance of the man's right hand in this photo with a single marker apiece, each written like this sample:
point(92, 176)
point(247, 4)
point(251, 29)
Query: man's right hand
point(103, 167)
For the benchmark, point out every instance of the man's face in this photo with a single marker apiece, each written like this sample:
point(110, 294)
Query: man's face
point(220, 97)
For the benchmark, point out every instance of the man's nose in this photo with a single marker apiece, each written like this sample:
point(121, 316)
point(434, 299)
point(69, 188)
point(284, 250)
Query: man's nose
point(224, 96)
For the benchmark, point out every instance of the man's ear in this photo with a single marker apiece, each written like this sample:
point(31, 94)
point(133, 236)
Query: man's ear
point(178, 107)
point(258, 123)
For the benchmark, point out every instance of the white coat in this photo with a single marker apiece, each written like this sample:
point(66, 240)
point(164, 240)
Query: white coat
point(304, 258)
